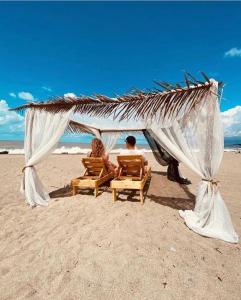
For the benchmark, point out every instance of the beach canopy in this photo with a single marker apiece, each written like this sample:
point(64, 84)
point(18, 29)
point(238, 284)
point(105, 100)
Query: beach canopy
point(184, 121)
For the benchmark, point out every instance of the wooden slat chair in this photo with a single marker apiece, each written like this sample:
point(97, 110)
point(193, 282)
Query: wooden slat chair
point(131, 175)
point(95, 174)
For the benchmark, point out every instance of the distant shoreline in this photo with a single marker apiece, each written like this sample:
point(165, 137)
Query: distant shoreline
point(17, 147)
point(20, 145)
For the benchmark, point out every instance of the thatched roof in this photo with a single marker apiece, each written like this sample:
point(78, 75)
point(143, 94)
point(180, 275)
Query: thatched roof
point(166, 98)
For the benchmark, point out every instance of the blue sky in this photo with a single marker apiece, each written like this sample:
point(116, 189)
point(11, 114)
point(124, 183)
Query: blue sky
point(49, 49)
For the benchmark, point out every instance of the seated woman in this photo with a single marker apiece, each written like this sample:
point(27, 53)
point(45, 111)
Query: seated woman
point(98, 150)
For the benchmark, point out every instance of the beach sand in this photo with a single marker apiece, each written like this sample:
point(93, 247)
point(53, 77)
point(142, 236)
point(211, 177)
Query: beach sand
point(81, 247)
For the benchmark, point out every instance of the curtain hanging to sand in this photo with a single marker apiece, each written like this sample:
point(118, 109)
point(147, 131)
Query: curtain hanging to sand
point(42, 133)
point(197, 141)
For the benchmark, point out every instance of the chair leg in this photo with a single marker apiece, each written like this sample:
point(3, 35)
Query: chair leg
point(142, 197)
point(114, 194)
point(96, 191)
point(74, 190)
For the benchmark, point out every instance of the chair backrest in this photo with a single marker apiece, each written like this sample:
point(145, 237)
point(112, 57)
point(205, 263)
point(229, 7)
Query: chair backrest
point(94, 166)
point(131, 165)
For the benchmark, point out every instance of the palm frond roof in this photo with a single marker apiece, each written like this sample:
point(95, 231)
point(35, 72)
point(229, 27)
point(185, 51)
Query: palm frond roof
point(167, 99)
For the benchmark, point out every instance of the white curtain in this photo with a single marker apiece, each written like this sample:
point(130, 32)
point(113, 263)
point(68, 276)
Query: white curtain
point(109, 139)
point(42, 133)
point(197, 141)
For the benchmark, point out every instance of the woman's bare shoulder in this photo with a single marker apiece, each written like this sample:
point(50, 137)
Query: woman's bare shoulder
point(106, 156)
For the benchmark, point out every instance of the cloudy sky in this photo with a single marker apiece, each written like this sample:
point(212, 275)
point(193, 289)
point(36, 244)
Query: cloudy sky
point(49, 49)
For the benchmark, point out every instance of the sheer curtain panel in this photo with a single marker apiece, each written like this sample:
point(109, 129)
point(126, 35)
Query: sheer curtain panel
point(42, 133)
point(197, 141)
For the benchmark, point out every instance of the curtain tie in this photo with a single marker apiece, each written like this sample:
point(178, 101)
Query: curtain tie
point(212, 181)
point(23, 169)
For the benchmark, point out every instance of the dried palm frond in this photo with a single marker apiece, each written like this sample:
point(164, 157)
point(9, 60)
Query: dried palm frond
point(167, 102)
point(76, 127)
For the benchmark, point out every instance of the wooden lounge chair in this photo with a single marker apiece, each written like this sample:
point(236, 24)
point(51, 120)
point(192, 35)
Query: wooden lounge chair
point(131, 175)
point(95, 174)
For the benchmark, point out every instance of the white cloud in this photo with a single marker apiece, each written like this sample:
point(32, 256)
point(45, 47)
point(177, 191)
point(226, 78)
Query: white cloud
point(13, 95)
point(11, 123)
point(26, 96)
point(232, 121)
point(233, 52)
point(70, 95)
point(46, 88)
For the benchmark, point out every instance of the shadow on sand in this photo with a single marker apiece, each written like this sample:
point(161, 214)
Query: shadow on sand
point(66, 191)
point(169, 193)
point(159, 189)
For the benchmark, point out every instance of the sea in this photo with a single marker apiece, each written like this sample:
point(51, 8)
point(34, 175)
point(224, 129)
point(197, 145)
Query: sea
point(81, 145)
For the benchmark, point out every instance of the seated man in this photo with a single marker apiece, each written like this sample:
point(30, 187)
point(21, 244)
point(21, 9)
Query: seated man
point(131, 148)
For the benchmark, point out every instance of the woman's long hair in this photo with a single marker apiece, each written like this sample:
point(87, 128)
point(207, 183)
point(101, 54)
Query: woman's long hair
point(98, 149)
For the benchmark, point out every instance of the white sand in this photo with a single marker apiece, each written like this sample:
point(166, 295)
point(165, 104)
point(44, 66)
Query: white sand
point(85, 248)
